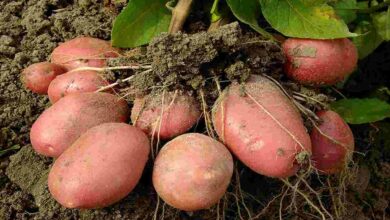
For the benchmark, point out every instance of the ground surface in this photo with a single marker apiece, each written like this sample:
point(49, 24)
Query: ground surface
point(30, 29)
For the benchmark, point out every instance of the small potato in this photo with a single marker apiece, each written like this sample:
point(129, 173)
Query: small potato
point(261, 127)
point(75, 82)
point(319, 62)
point(38, 76)
point(179, 112)
point(332, 143)
point(82, 52)
point(101, 167)
point(61, 124)
point(192, 172)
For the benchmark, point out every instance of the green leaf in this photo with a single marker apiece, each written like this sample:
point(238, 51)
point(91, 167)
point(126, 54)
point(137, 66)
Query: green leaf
point(368, 40)
point(360, 111)
point(3, 152)
point(346, 9)
point(305, 19)
point(248, 12)
point(381, 22)
point(139, 22)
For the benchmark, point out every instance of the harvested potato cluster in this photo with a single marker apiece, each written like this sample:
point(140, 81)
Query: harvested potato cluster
point(100, 158)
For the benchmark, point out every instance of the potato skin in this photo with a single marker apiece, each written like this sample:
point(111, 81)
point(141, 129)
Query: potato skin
point(332, 143)
point(192, 172)
point(83, 51)
point(75, 82)
point(253, 135)
point(179, 115)
point(319, 62)
point(61, 124)
point(101, 167)
point(38, 76)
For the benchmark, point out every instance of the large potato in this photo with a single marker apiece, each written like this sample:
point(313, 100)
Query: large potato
point(101, 167)
point(192, 172)
point(75, 82)
point(319, 62)
point(83, 51)
point(61, 124)
point(177, 115)
point(261, 127)
point(332, 143)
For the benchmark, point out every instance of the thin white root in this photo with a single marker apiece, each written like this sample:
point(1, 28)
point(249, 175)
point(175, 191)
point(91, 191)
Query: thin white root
point(306, 198)
point(102, 69)
point(274, 119)
point(112, 85)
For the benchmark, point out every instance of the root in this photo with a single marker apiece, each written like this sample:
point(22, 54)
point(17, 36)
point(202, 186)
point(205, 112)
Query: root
point(274, 119)
point(102, 69)
point(240, 193)
point(263, 211)
point(155, 214)
point(318, 210)
point(207, 117)
point(317, 196)
point(117, 83)
point(297, 94)
point(281, 204)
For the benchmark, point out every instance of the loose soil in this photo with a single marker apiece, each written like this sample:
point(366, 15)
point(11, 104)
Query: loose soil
point(30, 29)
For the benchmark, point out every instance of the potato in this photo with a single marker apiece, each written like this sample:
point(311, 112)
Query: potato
point(332, 142)
point(61, 124)
point(319, 62)
point(38, 76)
point(179, 113)
point(192, 172)
point(101, 167)
point(75, 82)
point(261, 127)
point(83, 51)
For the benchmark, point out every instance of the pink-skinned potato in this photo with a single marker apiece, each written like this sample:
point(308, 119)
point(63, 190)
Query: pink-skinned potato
point(62, 123)
point(38, 76)
point(101, 167)
point(192, 172)
point(83, 52)
point(261, 127)
point(179, 113)
point(332, 143)
point(75, 82)
point(319, 62)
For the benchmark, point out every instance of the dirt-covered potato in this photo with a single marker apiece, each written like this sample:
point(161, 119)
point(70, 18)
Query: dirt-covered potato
point(75, 82)
point(165, 115)
point(38, 76)
point(261, 127)
point(83, 51)
point(319, 62)
point(192, 172)
point(61, 124)
point(101, 167)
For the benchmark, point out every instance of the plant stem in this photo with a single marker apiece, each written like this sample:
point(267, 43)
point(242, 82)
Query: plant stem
point(179, 15)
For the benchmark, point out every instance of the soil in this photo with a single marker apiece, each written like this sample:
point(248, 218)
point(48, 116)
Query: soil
point(30, 29)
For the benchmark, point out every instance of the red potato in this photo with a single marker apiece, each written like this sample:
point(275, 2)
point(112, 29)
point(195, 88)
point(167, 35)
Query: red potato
point(319, 62)
point(261, 127)
point(101, 167)
point(82, 52)
point(192, 172)
point(75, 82)
point(332, 143)
point(61, 124)
point(38, 76)
point(179, 113)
